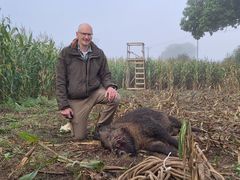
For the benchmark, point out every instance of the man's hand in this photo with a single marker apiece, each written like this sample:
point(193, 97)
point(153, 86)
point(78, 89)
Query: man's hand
point(67, 113)
point(110, 94)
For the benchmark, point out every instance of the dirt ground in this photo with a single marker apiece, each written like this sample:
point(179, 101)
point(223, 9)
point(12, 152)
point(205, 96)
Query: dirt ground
point(217, 112)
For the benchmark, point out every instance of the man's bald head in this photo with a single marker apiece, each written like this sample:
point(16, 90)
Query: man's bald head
point(85, 27)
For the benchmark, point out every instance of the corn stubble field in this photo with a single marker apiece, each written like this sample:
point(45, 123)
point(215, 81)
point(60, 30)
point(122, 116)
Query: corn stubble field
point(205, 93)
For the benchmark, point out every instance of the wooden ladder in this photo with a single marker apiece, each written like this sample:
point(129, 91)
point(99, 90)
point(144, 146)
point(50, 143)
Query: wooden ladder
point(136, 57)
point(140, 78)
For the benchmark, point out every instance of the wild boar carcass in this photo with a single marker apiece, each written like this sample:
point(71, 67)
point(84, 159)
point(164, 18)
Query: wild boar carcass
point(141, 129)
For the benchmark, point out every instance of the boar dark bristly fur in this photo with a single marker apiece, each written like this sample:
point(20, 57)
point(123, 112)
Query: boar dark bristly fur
point(141, 129)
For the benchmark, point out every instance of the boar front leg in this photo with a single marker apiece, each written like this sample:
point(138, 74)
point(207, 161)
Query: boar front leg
point(160, 147)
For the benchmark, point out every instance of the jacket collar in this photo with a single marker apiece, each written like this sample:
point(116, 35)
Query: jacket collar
point(95, 50)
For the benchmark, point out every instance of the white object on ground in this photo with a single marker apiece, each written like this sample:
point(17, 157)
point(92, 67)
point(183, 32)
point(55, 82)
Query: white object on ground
point(66, 128)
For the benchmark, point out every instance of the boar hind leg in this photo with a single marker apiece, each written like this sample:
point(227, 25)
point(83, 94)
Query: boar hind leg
point(160, 147)
point(162, 135)
point(171, 140)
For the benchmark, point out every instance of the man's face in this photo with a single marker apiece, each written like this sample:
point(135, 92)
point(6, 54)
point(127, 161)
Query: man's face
point(84, 35)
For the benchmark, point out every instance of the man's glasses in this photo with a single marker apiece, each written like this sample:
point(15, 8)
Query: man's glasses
point(85, 34)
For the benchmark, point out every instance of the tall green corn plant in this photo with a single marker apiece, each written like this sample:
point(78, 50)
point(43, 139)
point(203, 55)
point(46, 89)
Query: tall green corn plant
point(27, 65)
point(151, 73)
point(232, 75)
point(188, 74)
point(177, 78)
point(118, 69)
point(201, 74)
point(215, 75)
point(47, 61)
point(163, 74)
point(23, 47)
point(7, 66)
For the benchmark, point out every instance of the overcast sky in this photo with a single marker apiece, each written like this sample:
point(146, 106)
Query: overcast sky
point(154, 22)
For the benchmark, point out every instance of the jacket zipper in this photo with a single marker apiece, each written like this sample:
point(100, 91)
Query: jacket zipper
point(87, 72)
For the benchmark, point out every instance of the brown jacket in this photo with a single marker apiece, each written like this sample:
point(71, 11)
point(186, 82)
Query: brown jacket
point(75, 78)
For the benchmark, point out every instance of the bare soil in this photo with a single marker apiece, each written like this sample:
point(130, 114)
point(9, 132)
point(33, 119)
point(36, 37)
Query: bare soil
point(217, 112)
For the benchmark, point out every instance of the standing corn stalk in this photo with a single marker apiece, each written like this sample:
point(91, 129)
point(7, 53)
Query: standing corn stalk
point(27, 65)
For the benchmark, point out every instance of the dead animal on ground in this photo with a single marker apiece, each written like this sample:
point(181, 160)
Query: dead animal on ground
point(141, 129)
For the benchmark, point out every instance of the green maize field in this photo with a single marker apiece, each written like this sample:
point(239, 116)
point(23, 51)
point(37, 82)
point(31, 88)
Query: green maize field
point(27, 68)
